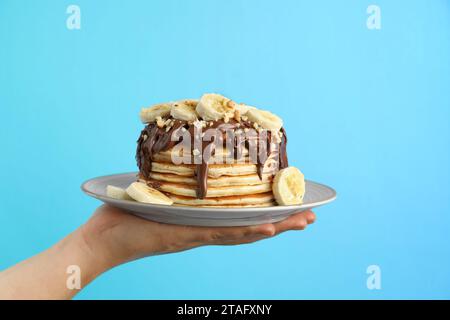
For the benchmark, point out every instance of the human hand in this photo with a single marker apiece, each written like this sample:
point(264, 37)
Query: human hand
point(115, 236)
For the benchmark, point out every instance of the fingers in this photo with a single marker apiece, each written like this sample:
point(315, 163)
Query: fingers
point(297, 221)
point(310, 216)
point(237, 235)
point(228, 235)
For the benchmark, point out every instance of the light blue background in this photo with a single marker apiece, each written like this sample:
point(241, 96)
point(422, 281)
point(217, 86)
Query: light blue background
point(366, 111)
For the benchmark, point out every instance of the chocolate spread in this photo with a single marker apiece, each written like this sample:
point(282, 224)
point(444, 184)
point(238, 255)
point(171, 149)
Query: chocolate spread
point(154, 139)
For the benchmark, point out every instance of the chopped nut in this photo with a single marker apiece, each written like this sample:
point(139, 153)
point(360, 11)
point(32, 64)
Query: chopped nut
point(245, 118)
point(195, 152)
point(231, 104)
point(211, 123)
point(226, 119)
point(145, 137)
point(190, 102)
point(255, 125)
point(160, 122)
point(199, 123)
point(237, 115)
point(167, 122)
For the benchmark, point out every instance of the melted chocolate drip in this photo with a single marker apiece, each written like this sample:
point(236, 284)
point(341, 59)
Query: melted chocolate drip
point(283, 159)
point(154, 139)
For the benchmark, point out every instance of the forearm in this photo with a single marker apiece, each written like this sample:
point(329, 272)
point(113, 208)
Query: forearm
point(100, 244)
point(45, 276)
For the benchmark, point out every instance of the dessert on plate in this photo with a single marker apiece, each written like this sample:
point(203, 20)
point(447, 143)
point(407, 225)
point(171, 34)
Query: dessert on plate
point(213, 152)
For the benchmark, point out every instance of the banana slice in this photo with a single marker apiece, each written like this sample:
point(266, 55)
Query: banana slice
point(159, 110)
point(289, 186)
point(243, 108)
point(267, 120)
point(117, 193)
point(142, 193)
point(184, 110)
point(213, 106)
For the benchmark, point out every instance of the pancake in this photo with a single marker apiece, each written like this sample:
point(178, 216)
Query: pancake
point(244, 180)
point(178, 133)
point(224, 191)
point(253, 199)
point(215, 170)
point(260, 205)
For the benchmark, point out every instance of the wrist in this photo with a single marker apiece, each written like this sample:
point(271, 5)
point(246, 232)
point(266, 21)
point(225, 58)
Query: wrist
point(100, 236)
point(84, 253)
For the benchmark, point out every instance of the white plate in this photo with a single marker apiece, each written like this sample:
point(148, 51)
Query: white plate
point(316, 195)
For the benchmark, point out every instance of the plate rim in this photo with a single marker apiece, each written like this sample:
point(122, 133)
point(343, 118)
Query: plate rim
point(204, 209)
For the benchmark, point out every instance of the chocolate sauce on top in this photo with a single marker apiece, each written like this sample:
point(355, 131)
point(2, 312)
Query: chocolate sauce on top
point(154, 139)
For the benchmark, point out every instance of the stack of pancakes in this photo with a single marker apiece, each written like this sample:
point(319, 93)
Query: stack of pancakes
point(224, 136)
point(231, 183)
